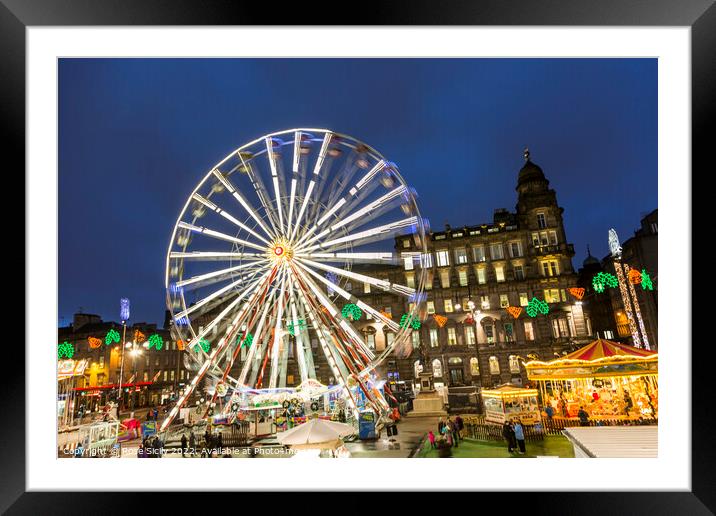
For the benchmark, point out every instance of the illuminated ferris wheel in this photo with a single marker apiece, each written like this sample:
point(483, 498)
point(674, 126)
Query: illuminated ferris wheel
point(266, 254)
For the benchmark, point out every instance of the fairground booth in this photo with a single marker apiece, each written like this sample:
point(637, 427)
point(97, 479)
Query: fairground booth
point(508, 402)
point(610, 380)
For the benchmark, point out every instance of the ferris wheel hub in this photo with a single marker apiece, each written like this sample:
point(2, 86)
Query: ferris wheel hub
point(280, 251)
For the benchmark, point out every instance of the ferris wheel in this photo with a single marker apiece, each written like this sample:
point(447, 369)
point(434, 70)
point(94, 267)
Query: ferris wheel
point(268, 252)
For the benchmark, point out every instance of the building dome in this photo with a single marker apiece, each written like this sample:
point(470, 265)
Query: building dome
point(590, 260)
point(530, 172)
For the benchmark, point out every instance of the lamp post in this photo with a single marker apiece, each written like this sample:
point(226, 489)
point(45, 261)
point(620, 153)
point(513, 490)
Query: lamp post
point(124, 316)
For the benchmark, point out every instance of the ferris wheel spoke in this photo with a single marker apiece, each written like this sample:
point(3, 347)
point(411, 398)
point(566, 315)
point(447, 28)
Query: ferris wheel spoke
point(384, 258)
point(274, 178)
point(362, 237)
point(312, 183)
point(298, 332)
point(257, 340)
point(221, 236)
point(215, 256)
point(277, 334)
point(203, 280)
point(244, 203)
point(228, 217)
point(260, 189)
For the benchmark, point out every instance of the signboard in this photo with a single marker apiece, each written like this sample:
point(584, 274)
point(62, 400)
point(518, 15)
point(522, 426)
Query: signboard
point(68, 368)
point(366, 425)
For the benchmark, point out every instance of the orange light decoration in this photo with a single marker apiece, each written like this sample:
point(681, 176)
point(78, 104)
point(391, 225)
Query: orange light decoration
point(94, 342)
point(469, 319)
point(440, 319)
point(514, 311)
point(386, 314)
point(634, 277)
point(577, 292)
point(139, 337)
point(181, 345)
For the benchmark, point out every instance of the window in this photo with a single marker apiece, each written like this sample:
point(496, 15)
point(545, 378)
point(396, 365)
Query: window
point(564, 295)
point(539, 239)
point(416, 339)
point(165, 375)
point(478, 253)
point(408, 263)
point(563, 327)
point(514, 364)
point(460, 256)
point(509, 332)
point(500, 272)
point(156, 361)
point(551, 295)
point(443, 258)
point(550, 268)
point(456, 377)
point(370, 340)
point(437, 368)
point(171, 376)
point(490, 333)
point(496, 252)
point(431, 307)
point(608, 334)
point(481, 276)
point(366, 288)
point(541, 221)
point(485, 302)
point(452, 337)
point(101, 362)
point(462, 277)
point(146, 376)
point(448, 306)
point(474, 367)
point(427, 260)
point(181, 373)
point(504, 301)
point(434, 338)
point(519, 272)
point(429, 278)
point(494, 365)
point(469, 335)
point(389, 311)
point(524, 301)
point(410, 279)
point(552, 238)
point(654, 227)
point(515, 249)
point(555, 328)
point(445, 278)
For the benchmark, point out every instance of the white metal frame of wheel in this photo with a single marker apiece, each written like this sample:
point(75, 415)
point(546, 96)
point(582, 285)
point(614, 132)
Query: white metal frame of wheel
point(268, 248)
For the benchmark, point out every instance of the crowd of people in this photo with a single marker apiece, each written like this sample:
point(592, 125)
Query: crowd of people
point(209, 445)
point(450, 433)
point(514, 434)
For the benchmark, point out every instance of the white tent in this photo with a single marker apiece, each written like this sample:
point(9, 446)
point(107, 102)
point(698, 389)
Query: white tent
point(318, 432)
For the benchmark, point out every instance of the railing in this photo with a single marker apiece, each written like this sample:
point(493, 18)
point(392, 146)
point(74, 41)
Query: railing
point(555, 425)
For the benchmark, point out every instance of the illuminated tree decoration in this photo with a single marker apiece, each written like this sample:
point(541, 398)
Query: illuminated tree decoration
point(247, 341)
point(94, 342)
point(155, 341)
point(514, 311)
point(301, 326)
point(537, 306)
point(139, 337)
point(440, 319)
point(352, 312)
point(603, 280)
point(577, 292)
point(646, 283)
point(634, 276)
point(65, 349)
point(203, 344)
point(112, 336)
point(406, 320)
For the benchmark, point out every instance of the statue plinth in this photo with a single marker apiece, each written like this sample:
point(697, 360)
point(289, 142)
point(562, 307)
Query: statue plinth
point(428, 402)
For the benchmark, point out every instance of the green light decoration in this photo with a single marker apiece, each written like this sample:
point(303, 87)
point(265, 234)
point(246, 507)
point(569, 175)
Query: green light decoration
point(646, 283)
point(65, 349)
point(203, 344)
point(112, 336)
point(301, 326)
point(246, 341)
point(352, 312)
point(406, 321)
point(537, 306)
point(603, 280)
point(155, 341)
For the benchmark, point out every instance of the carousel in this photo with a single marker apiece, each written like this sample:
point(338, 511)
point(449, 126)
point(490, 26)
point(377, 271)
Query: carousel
point(608, 379)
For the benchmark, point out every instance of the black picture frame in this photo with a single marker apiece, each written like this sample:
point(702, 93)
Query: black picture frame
point(699, 15)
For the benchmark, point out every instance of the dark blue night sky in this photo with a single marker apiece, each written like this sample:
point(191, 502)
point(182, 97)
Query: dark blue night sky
point(136, 135)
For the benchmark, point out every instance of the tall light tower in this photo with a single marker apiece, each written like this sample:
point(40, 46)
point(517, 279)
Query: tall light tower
point(629, 299)
point(124, 316)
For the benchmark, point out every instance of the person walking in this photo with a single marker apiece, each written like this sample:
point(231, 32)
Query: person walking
point(509, 434)
point(460, 425)
point(183, 445)
point(441, 425)
point(519, 436)
point(453, 432)
point(431, 438)
point(583, 417)
point(549, 411)
point(219, 442)
point(192, 443)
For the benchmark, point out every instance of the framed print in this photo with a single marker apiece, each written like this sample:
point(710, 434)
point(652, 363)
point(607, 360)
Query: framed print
point(429, 234)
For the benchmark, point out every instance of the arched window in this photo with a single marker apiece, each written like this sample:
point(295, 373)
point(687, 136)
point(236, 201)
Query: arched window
point(514, 364)
point(494, 365)
point(474, 366)
point(455, 361)
point(437, 368)
point(418, 368)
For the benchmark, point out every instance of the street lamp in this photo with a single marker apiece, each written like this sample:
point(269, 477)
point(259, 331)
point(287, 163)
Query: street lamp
point(124, 316)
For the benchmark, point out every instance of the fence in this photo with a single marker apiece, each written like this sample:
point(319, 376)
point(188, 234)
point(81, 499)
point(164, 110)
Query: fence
point(477, 428)
point(555, 425)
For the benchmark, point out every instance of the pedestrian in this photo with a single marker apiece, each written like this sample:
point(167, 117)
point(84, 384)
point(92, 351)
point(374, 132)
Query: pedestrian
point(460, 425)
point(628, 403)
point(583, 417)
point(219, 442)
point(549, 411)
point(441, 425)
point(519, 436)
point(509, 434)
point(156, 413)
point(453, 432)
point(183, 445)
point(192, 443)
point(149, 415)
point(431, 438)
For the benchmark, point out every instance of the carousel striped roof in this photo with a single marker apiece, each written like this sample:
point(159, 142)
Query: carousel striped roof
point(606, 348)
